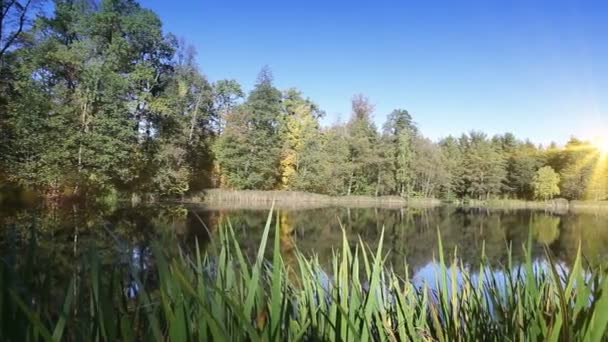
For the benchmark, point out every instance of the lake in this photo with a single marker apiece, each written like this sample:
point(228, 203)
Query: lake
point(124, 236)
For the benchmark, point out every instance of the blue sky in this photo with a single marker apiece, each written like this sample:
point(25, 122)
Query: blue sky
point(535, 68)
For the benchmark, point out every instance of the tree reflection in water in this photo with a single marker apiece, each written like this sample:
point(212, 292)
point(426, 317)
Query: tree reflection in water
point(125, 236)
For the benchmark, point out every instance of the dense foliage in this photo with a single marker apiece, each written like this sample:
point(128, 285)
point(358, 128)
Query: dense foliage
point(96, 97)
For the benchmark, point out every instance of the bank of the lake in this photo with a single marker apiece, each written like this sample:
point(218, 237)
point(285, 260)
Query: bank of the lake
point(298, 199)
point(255, 199)
point(556, 205)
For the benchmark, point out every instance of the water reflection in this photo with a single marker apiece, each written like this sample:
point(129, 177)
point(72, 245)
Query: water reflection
point(125, 236)
point(412, 234)
point(429, 274)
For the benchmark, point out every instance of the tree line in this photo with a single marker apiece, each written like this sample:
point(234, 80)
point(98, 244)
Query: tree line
point(97, 98)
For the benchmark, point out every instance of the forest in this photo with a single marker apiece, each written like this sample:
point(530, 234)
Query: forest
point(96, 98)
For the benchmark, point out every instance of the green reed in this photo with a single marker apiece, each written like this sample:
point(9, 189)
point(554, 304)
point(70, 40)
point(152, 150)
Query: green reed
point(224, 296)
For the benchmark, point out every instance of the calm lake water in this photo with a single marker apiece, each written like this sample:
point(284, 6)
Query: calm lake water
point(124, 236)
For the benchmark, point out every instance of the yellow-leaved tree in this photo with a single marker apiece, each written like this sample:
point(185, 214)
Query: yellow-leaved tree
point(299, 132)
point(546, 183)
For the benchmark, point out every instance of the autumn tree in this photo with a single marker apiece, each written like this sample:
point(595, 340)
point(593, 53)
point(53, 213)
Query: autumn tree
point(300, 135)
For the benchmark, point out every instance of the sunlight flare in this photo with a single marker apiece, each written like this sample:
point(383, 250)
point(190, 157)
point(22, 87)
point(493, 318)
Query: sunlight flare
point(602, 145)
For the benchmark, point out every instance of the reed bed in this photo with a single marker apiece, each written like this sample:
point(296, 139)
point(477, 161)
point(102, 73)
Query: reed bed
point(557, 205)
point(297, 198)
point(221, 296)
point(589, 206)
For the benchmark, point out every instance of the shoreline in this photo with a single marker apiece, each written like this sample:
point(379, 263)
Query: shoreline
point(297, 199)
point(559, 206)
point(256, 199)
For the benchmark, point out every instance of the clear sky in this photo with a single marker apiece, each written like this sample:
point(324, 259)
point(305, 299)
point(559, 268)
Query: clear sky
point(536, 68)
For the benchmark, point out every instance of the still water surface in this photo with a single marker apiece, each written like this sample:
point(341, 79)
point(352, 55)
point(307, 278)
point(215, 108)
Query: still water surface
point(124, 236)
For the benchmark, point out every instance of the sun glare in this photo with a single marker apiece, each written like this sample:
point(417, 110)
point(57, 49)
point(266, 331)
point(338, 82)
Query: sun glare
point(602, 145)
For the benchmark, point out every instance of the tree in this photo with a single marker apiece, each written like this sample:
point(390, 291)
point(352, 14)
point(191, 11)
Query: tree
point(300, 135)
point(15, 18)
point(399, 131)
point(523, 161)
point(428, 173)
point(332, 157)
point(484, 167)
point(82, 100)
point(249, 150)
point(231, 152)
point(506, 142)
point(100, 101)
point(362, 143)
point(576, 164)
point(226, 94)
point(452, 161)
point(184, 160)
point(96, 97)
point(16, 127)
point(546, 183)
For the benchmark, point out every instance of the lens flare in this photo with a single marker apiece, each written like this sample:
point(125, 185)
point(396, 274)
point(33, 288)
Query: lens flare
point(602, 145)
point(591, 167)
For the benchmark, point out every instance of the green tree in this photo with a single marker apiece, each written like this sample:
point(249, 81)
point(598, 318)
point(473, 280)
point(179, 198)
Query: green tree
point(429, 176)
point(399, 131)
point(522, 163)
point(100, 102)
point(80, 84)
point(333, 160)
point(452, 158)
point(183, 160)
point(95, 97)
point(546, 183)
point(249, 150)
point(484, 167)
point(576, 164)
point(227, 94)
point(363, 155)
point(15, 19)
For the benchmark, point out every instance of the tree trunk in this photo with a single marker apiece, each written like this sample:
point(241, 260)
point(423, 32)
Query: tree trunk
point(193, 120)
point(1, 31)
point(427, 187)
point(377, 184)
point(85, 129)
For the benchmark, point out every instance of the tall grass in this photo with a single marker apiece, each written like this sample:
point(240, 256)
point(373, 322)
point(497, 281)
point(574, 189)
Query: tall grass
point(222, 295)
point(556, 205)
point(297, 199)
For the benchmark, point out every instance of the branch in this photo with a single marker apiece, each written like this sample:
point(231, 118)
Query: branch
point(8, 7)
point(22, 18)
